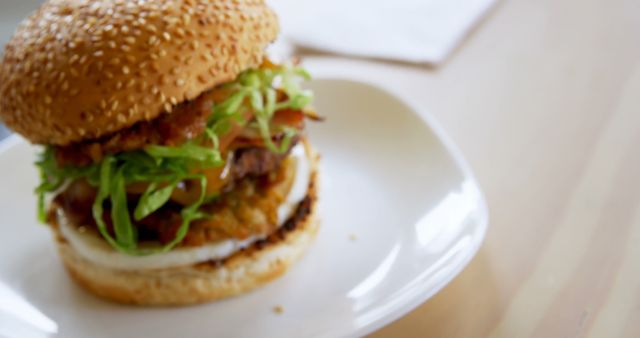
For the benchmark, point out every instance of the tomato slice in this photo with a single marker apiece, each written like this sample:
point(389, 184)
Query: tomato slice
point(188, 192)
point(289, 118)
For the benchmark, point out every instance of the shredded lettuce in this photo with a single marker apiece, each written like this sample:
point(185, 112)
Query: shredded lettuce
point(106, 168)
point(258, 85)
point(153, 199)
point(164, 167)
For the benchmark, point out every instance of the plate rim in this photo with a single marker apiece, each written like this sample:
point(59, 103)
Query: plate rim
point(413, 297)
point(419, 297)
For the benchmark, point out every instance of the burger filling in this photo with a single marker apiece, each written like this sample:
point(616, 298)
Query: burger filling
point(213, 169)
point(290, 213)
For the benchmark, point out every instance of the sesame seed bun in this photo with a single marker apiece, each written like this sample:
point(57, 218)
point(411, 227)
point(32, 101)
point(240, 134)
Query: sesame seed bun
point(79, 70)
point(245, 270)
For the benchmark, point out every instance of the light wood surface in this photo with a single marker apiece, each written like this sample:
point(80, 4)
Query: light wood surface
point(544, 100)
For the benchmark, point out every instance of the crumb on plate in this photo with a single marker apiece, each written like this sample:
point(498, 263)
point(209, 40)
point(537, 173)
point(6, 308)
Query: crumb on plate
point(278, 309)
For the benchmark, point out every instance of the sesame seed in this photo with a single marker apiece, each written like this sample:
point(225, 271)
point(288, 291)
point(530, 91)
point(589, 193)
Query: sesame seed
point(125, 70)
point(180, 82)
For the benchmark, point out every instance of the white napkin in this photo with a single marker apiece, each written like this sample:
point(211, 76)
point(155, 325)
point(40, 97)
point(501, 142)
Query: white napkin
point(422, 31)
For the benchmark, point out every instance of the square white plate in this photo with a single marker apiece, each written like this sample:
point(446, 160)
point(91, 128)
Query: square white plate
point(401, 216)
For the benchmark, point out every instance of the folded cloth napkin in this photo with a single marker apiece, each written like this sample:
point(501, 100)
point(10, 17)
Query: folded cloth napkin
point(421, 31)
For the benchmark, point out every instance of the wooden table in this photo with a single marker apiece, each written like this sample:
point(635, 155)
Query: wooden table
point(544, 100)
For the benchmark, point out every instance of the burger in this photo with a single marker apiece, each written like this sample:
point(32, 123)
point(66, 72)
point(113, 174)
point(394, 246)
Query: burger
point(175, 167)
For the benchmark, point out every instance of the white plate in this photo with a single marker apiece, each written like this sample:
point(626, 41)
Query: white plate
point(401, 216)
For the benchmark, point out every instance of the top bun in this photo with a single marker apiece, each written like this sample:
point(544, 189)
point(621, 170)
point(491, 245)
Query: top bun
point(81, 69)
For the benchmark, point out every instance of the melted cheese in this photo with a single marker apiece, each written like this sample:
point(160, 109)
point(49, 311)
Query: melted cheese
point(95, 249)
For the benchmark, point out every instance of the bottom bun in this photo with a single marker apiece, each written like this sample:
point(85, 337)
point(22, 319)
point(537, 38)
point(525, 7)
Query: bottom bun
point(243, 271)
